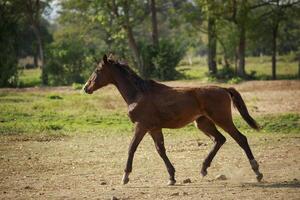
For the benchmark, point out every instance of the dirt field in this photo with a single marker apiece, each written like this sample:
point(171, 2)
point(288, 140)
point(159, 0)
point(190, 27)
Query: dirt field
point(91, 166)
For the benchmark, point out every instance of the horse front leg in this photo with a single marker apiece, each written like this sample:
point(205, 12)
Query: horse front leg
point(160, 147)
point(139, 133)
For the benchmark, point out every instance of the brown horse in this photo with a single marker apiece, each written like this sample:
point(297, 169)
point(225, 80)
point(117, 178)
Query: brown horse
point(153, 106)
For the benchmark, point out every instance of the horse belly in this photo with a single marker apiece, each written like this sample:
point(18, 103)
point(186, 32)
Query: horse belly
point(180, 117)
point(180, 122)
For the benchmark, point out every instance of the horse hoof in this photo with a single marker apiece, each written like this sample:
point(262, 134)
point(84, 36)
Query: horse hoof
point(203, 172)
point(259, 177)
point(171, 182)
point(125, 180)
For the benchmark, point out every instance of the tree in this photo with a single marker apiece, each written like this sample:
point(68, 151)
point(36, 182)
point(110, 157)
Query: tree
point(155, 37)
point(198, 12)
point(127, 22)
point(270, 17)
point(212, 39)
point(237, 13)
point(275, 15)
point(9, 26)
point(33, 10)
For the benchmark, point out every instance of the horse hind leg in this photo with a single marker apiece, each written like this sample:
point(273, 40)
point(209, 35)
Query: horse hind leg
point(226, 123)
point(209, 128)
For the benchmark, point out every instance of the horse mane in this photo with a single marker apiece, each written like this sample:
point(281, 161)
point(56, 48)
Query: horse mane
point(140, 84)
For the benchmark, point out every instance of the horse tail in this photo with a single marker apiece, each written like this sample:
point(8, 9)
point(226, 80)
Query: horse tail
point(239, 103)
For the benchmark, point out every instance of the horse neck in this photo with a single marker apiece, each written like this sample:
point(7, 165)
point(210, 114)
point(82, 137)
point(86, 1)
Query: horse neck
point(126, 88)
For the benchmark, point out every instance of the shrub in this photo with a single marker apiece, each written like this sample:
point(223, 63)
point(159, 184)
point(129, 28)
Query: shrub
point(168, 56)
point(67, 62)
point(77, 86)
point(225, 73)
point(235, 80)
point(8, 61)
point(160, 62)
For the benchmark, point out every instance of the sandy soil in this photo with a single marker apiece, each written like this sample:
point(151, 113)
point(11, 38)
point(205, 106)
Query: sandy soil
point(91, 167)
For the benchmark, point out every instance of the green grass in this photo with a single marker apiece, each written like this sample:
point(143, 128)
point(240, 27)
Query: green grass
point(29, 77)
point(70, 113)
point(287, 68)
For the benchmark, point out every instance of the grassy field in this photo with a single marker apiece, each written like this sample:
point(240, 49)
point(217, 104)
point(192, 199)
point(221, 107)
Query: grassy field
point(287, 68)
point(65, 111)
point(29, 77)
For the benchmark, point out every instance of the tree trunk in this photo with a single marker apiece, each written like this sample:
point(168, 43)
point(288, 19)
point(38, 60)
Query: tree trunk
point(241, 51)
point(155, 40)
point(40, 45)
point(274, 50)
point(36, 31)
point(36, 58)
point(131, 40)
point(212, 46)
point(225, 54)
point(133, 46)
point(33, 14)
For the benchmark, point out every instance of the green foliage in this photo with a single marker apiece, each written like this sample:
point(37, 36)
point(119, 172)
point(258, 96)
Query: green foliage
point(226, 74)
point(88, 29)
point(235, 80)
point(9, 27)
point(68, 61)
point(77, 86)
point(161, 62)
point(168, 56)
point(8, 68)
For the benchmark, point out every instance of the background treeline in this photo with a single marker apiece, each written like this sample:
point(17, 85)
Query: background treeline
point(151, 35)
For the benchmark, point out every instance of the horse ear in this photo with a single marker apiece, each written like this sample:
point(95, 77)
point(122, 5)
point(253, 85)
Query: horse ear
point(105, 59)
point(111, 57)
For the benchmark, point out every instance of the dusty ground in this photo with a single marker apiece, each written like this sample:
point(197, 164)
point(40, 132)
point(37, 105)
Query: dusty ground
point(91, 167)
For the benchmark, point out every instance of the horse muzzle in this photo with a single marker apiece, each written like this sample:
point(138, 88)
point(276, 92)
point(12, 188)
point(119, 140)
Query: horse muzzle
point(88, 89)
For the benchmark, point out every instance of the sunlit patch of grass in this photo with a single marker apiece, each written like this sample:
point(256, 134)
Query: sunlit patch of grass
point(287, 68)
point(280, 123)
point(34, 113)
point(29, 77)
point(71, 113)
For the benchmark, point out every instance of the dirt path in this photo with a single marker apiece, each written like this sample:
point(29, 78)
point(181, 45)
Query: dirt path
point(92, 167)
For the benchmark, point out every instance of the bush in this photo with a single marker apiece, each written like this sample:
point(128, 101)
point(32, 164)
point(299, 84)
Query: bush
point(161, 62)
point(168, 56)
point(8, 71)
point(235, 80)
point(77, 86)
point(8, 58)
point(225, 73)
point(68, 61)
point(228, 75)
